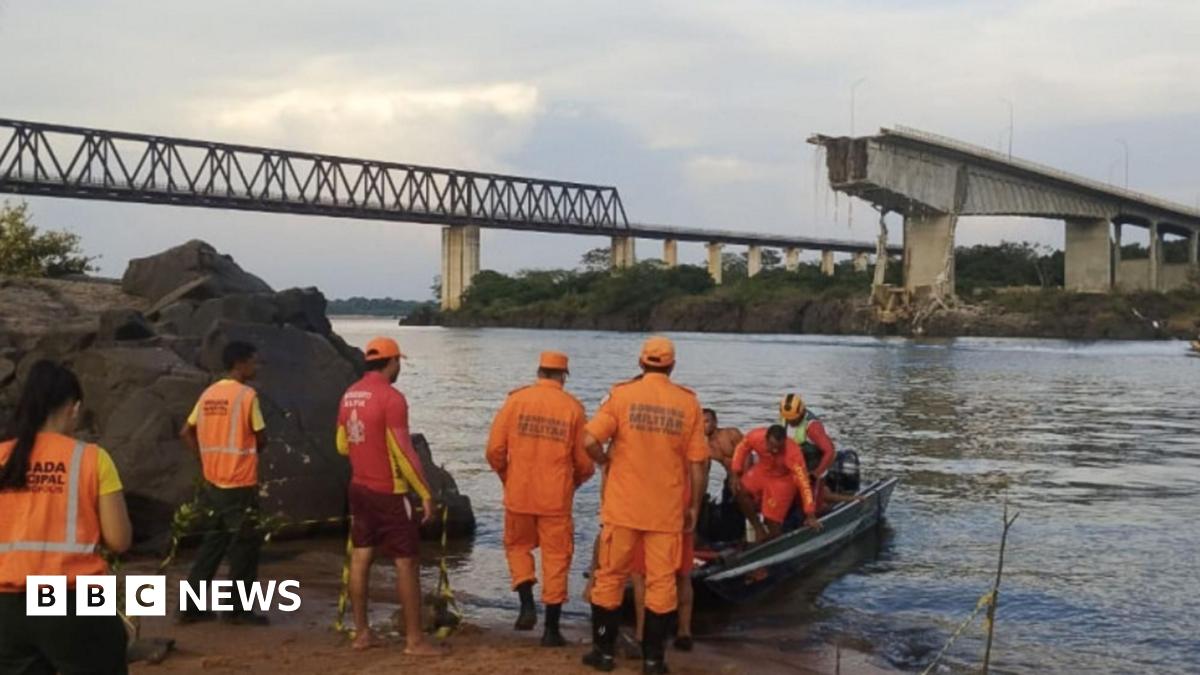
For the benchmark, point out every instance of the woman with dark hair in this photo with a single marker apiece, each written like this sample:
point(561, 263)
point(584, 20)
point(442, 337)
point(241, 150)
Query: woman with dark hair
point(60, 500)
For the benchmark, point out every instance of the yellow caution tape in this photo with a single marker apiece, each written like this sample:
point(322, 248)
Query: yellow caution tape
point(984, 602)
point(444, 592)
point(339, 624)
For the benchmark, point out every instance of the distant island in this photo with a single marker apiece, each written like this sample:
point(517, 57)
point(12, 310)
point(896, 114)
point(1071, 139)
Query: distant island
point(406, 310)
point(1007, 290)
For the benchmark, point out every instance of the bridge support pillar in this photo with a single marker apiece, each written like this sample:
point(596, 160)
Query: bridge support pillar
point(1155, 257)
point(929, 254)
point(460, 262)
point(670, 253)
point(1194, 249)
point(714, 261)
point(1116, 256)
point(753, 260)
point(862, 261)
point(827, 263)
point(1088, 256)
point(623, 255)
point(792, 259)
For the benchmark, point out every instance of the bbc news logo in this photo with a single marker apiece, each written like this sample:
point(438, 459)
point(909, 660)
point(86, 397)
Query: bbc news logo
point(146, 595)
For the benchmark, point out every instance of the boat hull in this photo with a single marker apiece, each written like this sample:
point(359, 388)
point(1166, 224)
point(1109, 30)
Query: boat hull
point(746, 575)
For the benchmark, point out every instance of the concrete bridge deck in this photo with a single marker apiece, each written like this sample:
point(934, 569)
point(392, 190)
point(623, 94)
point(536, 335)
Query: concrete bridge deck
point(933, 180)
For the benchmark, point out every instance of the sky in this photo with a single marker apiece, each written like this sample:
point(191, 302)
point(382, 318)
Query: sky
point(697, 111)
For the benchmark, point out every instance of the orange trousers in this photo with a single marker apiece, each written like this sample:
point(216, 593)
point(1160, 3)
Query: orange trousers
point(617, 548)
point(555, 535)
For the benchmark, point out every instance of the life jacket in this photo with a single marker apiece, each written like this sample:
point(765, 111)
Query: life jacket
point(52, 525)
point(228, 446)
point(812, 454)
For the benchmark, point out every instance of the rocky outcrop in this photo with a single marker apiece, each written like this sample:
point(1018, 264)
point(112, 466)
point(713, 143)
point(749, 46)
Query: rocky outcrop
point(145, 348)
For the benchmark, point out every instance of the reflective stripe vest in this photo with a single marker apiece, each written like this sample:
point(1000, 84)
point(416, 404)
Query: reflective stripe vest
point(812, 454)
point(228, 447)
point(52, 526)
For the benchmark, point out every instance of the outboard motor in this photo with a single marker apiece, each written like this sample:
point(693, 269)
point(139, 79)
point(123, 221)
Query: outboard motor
point(843, 476)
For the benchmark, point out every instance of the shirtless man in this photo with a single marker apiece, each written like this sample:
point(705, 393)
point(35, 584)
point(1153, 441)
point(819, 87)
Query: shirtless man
point(721, 442)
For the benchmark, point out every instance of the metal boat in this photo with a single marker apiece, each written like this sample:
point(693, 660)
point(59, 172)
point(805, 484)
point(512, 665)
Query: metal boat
point(741, 574)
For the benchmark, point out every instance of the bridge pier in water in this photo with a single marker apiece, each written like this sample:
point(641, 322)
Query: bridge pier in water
point(670, 253)
point(791, 259)
point(460, 262)
point(623, 254)
point(1087, 256)
point(714, 261)
point(753, 260)
point(862, 260)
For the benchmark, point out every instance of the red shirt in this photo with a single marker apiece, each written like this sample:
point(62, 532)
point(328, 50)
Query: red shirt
point(373, 431)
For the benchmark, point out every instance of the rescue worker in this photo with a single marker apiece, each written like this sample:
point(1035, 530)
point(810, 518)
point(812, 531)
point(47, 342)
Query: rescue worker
point(226, 428)
point(385, 471)
point(683, 590)
point(536, 446)
point(60, 500)
point(657, 435)
point(809, 433)
point(771, 484)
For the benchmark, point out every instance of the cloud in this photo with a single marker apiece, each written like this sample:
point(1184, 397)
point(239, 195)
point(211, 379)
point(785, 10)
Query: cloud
point(708, 169)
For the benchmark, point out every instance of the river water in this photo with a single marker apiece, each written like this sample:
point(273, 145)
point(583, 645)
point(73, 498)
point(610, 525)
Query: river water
point(1097, 445)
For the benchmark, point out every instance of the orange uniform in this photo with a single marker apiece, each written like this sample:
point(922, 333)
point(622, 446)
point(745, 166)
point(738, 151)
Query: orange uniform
point(53, 525)
point(774, 479)
point(656, 428)
point(226, 418)
point(536, 446)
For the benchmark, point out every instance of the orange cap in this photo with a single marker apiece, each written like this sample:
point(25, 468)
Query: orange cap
point(553, 361)
point(383, 348)
point(658, 351)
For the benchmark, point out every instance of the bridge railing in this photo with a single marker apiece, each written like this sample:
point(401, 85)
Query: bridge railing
point(65, 161)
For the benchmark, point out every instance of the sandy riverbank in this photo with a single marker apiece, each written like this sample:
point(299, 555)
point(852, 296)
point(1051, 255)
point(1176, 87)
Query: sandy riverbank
point(303, 642)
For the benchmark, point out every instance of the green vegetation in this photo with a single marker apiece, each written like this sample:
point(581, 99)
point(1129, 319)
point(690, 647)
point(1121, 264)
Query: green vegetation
point(359, 306)
point(594, 291)
point(1008, 265)
point(1015, 278)
point(26, 252)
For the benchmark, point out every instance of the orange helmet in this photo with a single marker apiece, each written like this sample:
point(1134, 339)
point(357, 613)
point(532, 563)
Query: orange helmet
point(791, 408)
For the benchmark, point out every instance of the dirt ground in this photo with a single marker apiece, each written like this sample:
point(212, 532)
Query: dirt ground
point(304, 643)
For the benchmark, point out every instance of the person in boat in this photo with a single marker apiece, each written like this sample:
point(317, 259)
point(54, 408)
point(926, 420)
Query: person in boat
point(722, 441)
point(809, 433)
point(770, 486)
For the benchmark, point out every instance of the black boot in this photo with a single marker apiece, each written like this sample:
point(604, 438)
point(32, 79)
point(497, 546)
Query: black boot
point(551, 637)
point(654, 639)
point(605, 624)
point(527, 619)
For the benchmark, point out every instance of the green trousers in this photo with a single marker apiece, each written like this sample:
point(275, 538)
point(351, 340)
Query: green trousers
point(230, 532)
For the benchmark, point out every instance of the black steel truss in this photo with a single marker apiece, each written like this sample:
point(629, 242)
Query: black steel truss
point(63, 161)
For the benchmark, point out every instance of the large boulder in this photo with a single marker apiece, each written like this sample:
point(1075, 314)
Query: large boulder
point(194, 263)
point(146, 347)
point(460, 518)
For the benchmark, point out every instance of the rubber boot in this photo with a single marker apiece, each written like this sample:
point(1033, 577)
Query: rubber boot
point(654, 640)
point(551, 637)
point(527, 619)
point(605, 625)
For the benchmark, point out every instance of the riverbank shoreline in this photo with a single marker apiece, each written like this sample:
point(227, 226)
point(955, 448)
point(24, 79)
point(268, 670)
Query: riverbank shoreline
point(304, 642)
